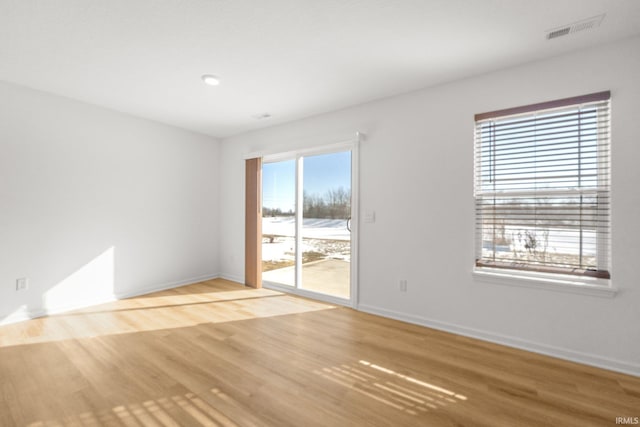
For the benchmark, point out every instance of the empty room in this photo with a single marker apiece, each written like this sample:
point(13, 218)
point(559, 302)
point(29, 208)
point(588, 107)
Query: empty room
point(319, 213)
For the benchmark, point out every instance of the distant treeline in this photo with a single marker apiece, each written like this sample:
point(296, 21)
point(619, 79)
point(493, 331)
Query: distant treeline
point(334, 204)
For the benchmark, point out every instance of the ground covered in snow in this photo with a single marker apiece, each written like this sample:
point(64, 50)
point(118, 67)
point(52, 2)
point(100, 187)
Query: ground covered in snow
point(321, 239)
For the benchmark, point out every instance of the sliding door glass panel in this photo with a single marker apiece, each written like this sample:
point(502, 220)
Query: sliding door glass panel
point(279, 222)
point(326, 215)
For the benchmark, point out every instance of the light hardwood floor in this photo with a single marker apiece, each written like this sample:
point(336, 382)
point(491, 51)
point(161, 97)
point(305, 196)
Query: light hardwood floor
point(218, 354)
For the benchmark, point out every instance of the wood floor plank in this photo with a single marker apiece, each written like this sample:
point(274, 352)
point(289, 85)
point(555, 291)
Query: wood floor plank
point(219, 354)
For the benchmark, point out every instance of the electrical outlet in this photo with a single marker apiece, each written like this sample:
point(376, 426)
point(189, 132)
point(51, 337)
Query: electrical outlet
point(22, 284)
point(403, 285)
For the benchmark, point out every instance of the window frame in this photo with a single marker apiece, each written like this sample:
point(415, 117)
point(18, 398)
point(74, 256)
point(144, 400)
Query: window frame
point(593, 282)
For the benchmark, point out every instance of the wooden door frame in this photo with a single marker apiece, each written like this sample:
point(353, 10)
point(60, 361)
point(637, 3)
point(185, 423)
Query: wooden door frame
point(253, 223)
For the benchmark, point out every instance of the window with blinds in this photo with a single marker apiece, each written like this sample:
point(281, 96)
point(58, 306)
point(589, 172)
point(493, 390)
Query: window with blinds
point(542, 187)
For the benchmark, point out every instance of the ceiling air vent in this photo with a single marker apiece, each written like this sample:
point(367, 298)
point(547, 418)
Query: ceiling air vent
point(585, 24)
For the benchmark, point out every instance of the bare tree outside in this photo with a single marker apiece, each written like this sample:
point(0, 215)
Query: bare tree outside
point(334, 204)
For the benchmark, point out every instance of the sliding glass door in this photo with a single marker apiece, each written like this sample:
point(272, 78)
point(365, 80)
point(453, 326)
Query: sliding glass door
point(306, 224)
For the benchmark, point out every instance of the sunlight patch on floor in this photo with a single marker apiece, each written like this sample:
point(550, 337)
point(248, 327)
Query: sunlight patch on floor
point(161, 311)
point(173, 410)
point(410, 395)
point(413, 380)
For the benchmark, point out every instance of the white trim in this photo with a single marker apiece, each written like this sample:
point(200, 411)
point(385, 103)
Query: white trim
point(355, 220)
point(307, 294)
point(275, 155)
point(25, 314)
point(297, 280)
point(165, 286)
point(553, 282)
point(22, 315)
point(547, 350)
point(603, 242)
point(233, 278)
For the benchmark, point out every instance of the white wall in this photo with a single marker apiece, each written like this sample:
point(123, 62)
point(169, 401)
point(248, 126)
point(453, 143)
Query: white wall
point(95, 203)
point(417, 175)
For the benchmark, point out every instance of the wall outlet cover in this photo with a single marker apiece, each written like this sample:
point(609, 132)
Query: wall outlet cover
point(22, 284)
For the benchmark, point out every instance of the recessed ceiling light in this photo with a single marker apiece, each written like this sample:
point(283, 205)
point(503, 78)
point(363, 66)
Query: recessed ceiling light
point(210, 79)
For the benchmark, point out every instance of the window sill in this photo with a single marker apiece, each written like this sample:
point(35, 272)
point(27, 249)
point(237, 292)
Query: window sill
point(554, 282)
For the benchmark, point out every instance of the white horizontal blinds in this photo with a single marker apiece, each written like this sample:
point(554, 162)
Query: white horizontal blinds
point(542, 187)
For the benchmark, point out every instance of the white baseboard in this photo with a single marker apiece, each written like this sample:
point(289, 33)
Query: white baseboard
point(24, 314)
point(165, 286)
point(548, 350)
point(232, 278)
point(21, 315)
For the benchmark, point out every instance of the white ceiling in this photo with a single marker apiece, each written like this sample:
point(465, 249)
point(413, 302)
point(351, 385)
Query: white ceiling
point(288, 58)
